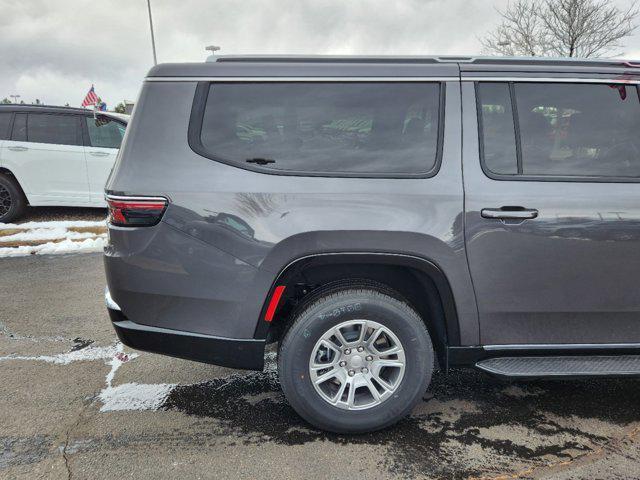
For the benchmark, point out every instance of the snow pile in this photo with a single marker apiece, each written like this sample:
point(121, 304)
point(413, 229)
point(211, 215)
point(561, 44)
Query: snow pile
point(56, 237)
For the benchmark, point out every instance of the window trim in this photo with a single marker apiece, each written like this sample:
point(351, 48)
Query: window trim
point(197, 116)
point(521, 177)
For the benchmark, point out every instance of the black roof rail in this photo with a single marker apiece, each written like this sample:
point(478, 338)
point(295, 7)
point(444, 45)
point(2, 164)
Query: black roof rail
point(40, 105)
point(323, 59)
point(476, 60)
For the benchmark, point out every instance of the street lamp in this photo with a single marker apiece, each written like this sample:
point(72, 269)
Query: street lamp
point(153, 39)
point(15, 98)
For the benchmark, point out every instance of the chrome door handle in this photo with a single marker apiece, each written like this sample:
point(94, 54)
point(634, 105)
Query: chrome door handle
point(17, 148)
point(99, 154)
point(509, 213)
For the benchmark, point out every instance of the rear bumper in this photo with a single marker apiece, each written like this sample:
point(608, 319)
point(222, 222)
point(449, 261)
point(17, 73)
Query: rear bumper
point(227, 352)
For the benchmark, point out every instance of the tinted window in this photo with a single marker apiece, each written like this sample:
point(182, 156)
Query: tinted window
point(5, 123)
point(498, 132)
point(388, 128)
point(104, 132)
point(19, 132)
point(52, 128)
point(579, 129)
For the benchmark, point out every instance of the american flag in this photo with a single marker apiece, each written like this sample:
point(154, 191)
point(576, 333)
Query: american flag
point(91, 98)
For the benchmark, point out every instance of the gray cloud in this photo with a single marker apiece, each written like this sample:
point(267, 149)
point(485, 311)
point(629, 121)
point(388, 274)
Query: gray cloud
point(55, 50)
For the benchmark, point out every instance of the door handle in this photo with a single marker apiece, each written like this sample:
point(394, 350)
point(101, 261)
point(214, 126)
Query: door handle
point(509, 213)
point(99, 154)
point(17, 148)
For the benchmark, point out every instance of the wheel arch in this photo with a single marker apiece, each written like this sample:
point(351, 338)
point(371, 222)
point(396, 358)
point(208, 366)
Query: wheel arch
point(418, 280)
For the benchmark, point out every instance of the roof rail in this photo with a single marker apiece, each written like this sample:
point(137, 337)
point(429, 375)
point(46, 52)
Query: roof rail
point(478, 60)
point(42, 105)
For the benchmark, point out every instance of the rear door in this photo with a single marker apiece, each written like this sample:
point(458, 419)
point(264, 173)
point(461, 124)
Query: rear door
point(102, 141)
point(46, 153)
point(552, 210)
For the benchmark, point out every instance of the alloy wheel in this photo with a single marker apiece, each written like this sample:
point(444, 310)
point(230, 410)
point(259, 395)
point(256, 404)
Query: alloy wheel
point(357, 364)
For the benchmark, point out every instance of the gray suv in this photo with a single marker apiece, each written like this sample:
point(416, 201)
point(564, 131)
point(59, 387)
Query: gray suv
point(379, 216)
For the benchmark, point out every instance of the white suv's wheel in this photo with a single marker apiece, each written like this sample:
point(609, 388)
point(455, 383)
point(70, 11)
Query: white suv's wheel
point(12, 201)
point(355, 360)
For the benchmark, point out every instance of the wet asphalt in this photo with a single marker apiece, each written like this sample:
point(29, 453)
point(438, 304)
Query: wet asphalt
point(66, 411)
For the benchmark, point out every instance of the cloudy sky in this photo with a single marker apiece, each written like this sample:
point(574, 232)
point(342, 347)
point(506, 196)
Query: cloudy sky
point(55, 50)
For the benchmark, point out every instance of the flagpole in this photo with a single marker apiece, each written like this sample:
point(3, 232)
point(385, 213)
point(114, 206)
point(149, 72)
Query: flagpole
point(153, 40)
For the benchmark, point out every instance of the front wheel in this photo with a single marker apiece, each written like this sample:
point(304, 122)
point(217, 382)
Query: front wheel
point(355, 360)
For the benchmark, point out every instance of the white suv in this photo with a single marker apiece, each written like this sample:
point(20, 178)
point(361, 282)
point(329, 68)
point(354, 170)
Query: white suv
point(55, 156)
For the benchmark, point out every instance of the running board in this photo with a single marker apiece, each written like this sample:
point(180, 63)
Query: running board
point(562, 366)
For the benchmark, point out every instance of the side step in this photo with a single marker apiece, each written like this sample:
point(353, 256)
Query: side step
point(562, 366)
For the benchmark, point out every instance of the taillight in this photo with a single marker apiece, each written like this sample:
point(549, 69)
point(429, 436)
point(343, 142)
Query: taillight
point(135, 211)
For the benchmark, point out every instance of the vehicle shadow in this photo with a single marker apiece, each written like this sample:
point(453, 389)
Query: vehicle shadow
point(469, 424)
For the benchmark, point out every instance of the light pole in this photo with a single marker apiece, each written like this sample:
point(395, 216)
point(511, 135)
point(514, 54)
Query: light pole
point(15, 98)
point(213, 49)
point(153, 39)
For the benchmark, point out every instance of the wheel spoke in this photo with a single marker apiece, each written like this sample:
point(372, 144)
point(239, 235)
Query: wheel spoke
point(383, 362)
point(352, 395)
point(374, 391)
point(394, 350)
point(330, 345)
point(320, 366)
point(383, 383)
point(343, 385)
point(325, 376)
point(340, 337)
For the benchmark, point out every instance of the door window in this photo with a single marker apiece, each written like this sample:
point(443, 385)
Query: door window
point(52, 128)
point(105, 132)
point(564, 130)
point(589, 130)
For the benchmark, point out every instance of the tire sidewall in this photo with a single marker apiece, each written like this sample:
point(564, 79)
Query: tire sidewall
point(322, 316)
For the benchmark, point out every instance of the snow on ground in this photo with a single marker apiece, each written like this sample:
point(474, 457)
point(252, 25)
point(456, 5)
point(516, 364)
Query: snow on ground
point(55, 237)
point(130, 396)
point(86, 354)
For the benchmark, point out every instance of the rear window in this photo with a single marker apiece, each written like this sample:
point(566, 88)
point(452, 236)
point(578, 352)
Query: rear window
point(324, 128)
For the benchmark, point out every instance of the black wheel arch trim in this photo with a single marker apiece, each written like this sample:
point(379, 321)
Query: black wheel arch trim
point(427, 266)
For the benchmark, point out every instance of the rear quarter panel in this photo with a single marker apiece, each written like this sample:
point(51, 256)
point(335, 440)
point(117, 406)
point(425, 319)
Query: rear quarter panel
point(225, 274)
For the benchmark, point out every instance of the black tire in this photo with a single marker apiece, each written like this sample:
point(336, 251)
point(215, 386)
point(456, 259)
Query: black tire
point(12, 200)
point(315, 318)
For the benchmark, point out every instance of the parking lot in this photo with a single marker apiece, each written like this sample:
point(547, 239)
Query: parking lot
point(76, 404)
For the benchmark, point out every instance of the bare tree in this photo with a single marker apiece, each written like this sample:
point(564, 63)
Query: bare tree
point(563, 28)
point(519, 33)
